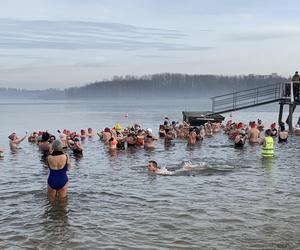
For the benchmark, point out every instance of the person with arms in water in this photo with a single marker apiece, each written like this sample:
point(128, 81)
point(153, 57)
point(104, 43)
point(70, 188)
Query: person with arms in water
point(154, 168)
point(283, 134)
point(59, 164)
point(253, 133)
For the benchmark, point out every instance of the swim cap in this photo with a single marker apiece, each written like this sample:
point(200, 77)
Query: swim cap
point(118, 127)
point(149, 130)
point(242, 132)
point(57, 145)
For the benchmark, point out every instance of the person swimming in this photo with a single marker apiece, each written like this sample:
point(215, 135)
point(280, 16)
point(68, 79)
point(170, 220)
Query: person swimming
point(58, 164)
point(154, 168)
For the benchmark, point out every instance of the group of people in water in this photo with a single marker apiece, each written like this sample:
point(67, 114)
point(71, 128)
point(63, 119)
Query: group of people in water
point(55, 150)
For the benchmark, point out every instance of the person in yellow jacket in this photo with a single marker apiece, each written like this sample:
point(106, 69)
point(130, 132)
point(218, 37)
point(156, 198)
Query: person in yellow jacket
point(268, 145)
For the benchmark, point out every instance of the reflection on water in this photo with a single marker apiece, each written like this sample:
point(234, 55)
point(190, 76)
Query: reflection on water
point(219, 197)
point(268, 163)
point(56, 223)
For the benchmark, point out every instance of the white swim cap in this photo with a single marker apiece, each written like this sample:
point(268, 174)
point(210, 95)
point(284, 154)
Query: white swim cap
point(149, 130)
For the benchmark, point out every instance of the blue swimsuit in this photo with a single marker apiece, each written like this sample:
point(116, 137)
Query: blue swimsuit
point(57, 179)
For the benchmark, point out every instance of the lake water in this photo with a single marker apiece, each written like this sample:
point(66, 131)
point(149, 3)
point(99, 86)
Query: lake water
point(232, 199)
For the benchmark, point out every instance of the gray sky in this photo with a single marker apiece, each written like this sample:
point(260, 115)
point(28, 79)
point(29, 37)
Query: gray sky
point(63, 43)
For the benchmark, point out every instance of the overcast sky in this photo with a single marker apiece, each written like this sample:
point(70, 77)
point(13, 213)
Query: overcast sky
point(63, 43)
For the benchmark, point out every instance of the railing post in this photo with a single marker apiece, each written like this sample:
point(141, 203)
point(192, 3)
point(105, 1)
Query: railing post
point(292, 92)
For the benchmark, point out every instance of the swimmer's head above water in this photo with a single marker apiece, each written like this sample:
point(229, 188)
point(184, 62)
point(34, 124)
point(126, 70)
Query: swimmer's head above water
point(152, 166)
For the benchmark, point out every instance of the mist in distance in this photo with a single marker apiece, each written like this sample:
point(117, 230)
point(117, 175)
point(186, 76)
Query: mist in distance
point(164, 85)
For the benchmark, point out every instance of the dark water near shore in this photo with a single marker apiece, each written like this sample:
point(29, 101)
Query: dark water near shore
point(231, 199)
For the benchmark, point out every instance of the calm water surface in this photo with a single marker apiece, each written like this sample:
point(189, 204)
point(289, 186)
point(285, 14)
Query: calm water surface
point(231, 199)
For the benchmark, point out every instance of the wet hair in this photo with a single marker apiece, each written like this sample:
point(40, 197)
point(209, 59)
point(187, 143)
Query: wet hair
point(282, 127)
point(197, 130)
point(154, 163)
point(45, 136)
point(57, 145)
point(268, 132)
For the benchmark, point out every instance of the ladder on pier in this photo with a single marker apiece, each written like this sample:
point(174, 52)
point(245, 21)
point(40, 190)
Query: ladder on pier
point(248, 98)
point(279, 92)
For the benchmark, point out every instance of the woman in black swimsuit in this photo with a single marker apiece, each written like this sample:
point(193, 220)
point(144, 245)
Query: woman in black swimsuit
point(283, 134)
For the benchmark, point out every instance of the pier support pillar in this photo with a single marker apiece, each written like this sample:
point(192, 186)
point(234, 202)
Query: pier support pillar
point(280, 113)
point(290, 117)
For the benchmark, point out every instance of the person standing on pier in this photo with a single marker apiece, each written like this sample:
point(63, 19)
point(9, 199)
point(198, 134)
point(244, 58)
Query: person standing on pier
point(296, 85)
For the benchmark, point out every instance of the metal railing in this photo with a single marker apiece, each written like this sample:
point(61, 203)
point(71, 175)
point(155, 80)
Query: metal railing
point(249, 98)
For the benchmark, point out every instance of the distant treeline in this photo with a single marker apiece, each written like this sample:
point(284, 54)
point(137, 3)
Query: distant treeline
point(157, 85)
point(171, 85)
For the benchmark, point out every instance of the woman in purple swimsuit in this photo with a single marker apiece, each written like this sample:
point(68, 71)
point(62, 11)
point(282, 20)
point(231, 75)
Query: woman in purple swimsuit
point(59, 164)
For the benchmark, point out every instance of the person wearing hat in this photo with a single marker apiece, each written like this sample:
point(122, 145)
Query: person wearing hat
point(240, 139)
point(274, 129)
point(149, 140)
point(58, 164)
point(14, 140)
point(260, 125)
point(253, 133)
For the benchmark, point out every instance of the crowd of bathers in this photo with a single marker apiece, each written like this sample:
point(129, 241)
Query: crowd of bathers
point(118, 138)
point(240, 132)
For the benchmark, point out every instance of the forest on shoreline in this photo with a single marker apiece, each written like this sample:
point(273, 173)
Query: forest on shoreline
point(165, 85)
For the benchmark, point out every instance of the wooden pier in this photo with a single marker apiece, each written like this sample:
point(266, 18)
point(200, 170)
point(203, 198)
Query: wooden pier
point(279, 92)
